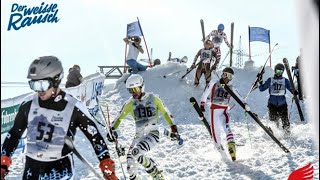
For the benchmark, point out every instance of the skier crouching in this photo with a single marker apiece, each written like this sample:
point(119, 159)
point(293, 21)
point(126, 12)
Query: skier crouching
point(144, 108)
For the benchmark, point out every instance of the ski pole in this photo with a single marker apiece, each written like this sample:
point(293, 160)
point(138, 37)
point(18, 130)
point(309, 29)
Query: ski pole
point(69, 143)
point(169, 74)
point(246, 117)
point(108, 129)
point(254, 85)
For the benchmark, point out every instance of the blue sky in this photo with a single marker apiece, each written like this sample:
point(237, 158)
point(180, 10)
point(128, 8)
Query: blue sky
point(90, 32)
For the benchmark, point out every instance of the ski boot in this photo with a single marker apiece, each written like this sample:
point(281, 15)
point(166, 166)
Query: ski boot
point(232, 150)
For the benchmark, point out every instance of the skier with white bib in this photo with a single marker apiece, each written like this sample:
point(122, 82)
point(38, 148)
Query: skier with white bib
point(217, 37)
point(206, 55)
point(48, 115)
point(219, 109)
point(144, 108)
point(278, 108)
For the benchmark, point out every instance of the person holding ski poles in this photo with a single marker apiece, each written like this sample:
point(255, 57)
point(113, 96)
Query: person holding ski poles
point(144, 108)
point(48, 116)
point(217, 37)
point(206, 56)
point(219, 109)
point(277, 105)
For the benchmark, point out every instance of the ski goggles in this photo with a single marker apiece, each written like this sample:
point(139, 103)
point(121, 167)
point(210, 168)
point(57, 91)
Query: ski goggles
point(134, 90)
point(40, 85)
point(279, 71)
point(227, 75)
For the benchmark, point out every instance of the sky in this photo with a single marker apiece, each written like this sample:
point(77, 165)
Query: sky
point(90, 32)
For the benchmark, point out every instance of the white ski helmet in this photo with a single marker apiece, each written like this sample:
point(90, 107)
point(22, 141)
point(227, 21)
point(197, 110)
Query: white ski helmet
point(135, 80)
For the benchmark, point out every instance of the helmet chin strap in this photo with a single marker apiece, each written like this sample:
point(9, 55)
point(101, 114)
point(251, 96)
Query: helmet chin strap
point(55, 92)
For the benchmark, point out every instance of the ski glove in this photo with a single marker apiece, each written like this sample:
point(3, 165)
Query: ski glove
point(113, 135)
point(246, 107)
point(5, 164)
point(193, 66)
point(202, 106)
point(296, 92)
point(107, 168)
point(174, 133)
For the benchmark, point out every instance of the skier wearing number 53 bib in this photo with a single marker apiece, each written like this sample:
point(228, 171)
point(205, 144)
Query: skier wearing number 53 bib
point(144, 108)
point(219, 110)
point(48, 115)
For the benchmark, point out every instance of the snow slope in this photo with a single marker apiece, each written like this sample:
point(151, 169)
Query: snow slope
point(258, 157)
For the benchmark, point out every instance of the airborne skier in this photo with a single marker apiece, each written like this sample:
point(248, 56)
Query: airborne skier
point(219, 109)
point(144, 108)
point(278, 108)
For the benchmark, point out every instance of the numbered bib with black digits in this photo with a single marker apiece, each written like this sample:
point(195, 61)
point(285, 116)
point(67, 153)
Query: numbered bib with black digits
point(46, 131)
point(220, 95)
point(145, 112)
point(278, 87)
point(206, 55)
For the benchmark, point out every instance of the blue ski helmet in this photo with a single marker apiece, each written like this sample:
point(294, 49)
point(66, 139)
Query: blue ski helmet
point(221, 27)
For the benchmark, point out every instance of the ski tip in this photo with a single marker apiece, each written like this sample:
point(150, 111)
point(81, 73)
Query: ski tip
point(276, 44)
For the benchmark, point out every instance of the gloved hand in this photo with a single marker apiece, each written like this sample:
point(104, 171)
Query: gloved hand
point(296, 92)
point(246, 107)
point(193, 66)
point(5, 164)
point(202, 105)
point(107, 168)
point(113, 136)
point(174, 133)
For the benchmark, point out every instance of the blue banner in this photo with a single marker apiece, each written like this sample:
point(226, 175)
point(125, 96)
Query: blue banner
point(259, 34)
point(133, 29)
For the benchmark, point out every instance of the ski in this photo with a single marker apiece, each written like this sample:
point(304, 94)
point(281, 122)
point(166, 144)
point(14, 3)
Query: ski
point(287, 67)
point(259, 75)
point(231, 42)
point(200, 113)
point(69, 143)
point(255, 117)
point(166, 132)
point(202, 30)
point(190, 69)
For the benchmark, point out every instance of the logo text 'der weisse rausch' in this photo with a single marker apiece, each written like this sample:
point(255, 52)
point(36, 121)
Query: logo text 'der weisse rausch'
point(22, 15)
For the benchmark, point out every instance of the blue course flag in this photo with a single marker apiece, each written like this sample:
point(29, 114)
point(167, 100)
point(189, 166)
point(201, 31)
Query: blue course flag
point(259, 34)
point(133, 29)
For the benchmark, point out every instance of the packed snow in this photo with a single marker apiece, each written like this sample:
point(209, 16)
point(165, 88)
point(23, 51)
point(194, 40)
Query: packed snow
point(258, 156)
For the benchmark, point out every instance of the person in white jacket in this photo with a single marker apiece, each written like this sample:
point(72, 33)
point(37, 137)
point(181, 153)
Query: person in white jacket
point(219, 109)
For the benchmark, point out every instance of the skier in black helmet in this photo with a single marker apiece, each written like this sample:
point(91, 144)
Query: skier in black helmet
point(278, 108)
point(219, 109)
point(48, 115)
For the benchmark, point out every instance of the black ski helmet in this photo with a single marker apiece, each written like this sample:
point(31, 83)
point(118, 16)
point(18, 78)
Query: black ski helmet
point(46, 67)
point(279, 66)
point(229, 70)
